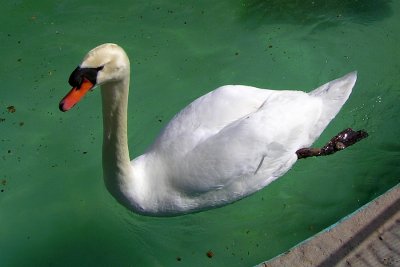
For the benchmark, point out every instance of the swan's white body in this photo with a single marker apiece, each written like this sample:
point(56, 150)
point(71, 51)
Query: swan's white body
point(222, 147)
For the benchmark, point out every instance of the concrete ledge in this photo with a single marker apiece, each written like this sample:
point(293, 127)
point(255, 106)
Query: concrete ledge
point(368, 237)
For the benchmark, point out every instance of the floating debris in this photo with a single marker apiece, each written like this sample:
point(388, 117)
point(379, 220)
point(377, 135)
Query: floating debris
point(11, 109)
point(210, 254)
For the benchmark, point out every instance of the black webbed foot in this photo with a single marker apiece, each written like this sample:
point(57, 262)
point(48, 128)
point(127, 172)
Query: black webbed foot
point(342, 140)
point(308, 152)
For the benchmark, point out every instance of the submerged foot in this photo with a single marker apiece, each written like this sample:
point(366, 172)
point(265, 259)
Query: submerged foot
point(342, 140)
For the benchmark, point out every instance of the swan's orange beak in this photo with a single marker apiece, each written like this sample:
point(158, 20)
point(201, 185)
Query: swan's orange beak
point(75, 95)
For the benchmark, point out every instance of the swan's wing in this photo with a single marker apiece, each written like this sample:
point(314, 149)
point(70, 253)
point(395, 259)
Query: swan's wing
point(253, 150)
point(206, 116)
point(333, 95)
point(235, 133)
point(262, 143)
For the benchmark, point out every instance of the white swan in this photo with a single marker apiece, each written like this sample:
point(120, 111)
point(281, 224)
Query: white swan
point(222, 147)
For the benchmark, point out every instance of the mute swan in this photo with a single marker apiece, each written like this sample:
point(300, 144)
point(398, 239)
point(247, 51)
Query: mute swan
point(222, 147)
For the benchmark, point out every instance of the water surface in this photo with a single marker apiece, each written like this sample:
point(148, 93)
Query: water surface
point(54, 208)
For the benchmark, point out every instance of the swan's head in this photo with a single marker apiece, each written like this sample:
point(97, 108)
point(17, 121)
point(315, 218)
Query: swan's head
point(103, 64)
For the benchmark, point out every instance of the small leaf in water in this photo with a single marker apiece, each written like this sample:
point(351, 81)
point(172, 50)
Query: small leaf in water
point(11, 109)
point(210, 254)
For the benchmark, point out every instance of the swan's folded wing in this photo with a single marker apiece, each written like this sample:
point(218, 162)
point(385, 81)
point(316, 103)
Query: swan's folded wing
point(206, 116)
point(262, 144)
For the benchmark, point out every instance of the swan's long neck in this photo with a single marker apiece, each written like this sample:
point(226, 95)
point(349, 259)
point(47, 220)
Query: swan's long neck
point(116, 162)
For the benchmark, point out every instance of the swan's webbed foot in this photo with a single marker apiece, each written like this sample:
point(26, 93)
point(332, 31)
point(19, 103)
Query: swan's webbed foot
point(308, 152)
point(342, 140)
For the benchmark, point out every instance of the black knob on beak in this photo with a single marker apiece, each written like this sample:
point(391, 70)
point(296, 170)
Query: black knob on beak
point(76, 77)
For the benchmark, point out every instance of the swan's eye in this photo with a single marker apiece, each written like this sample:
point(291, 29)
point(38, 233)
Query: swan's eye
point(76, 77)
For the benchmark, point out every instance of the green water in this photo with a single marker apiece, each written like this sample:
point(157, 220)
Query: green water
point(54, 208)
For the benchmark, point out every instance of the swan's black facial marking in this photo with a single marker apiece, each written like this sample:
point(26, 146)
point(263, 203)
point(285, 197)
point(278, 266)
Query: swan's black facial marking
point(76, 77)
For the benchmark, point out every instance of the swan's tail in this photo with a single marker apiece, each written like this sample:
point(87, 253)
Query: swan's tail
point(333, 94)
